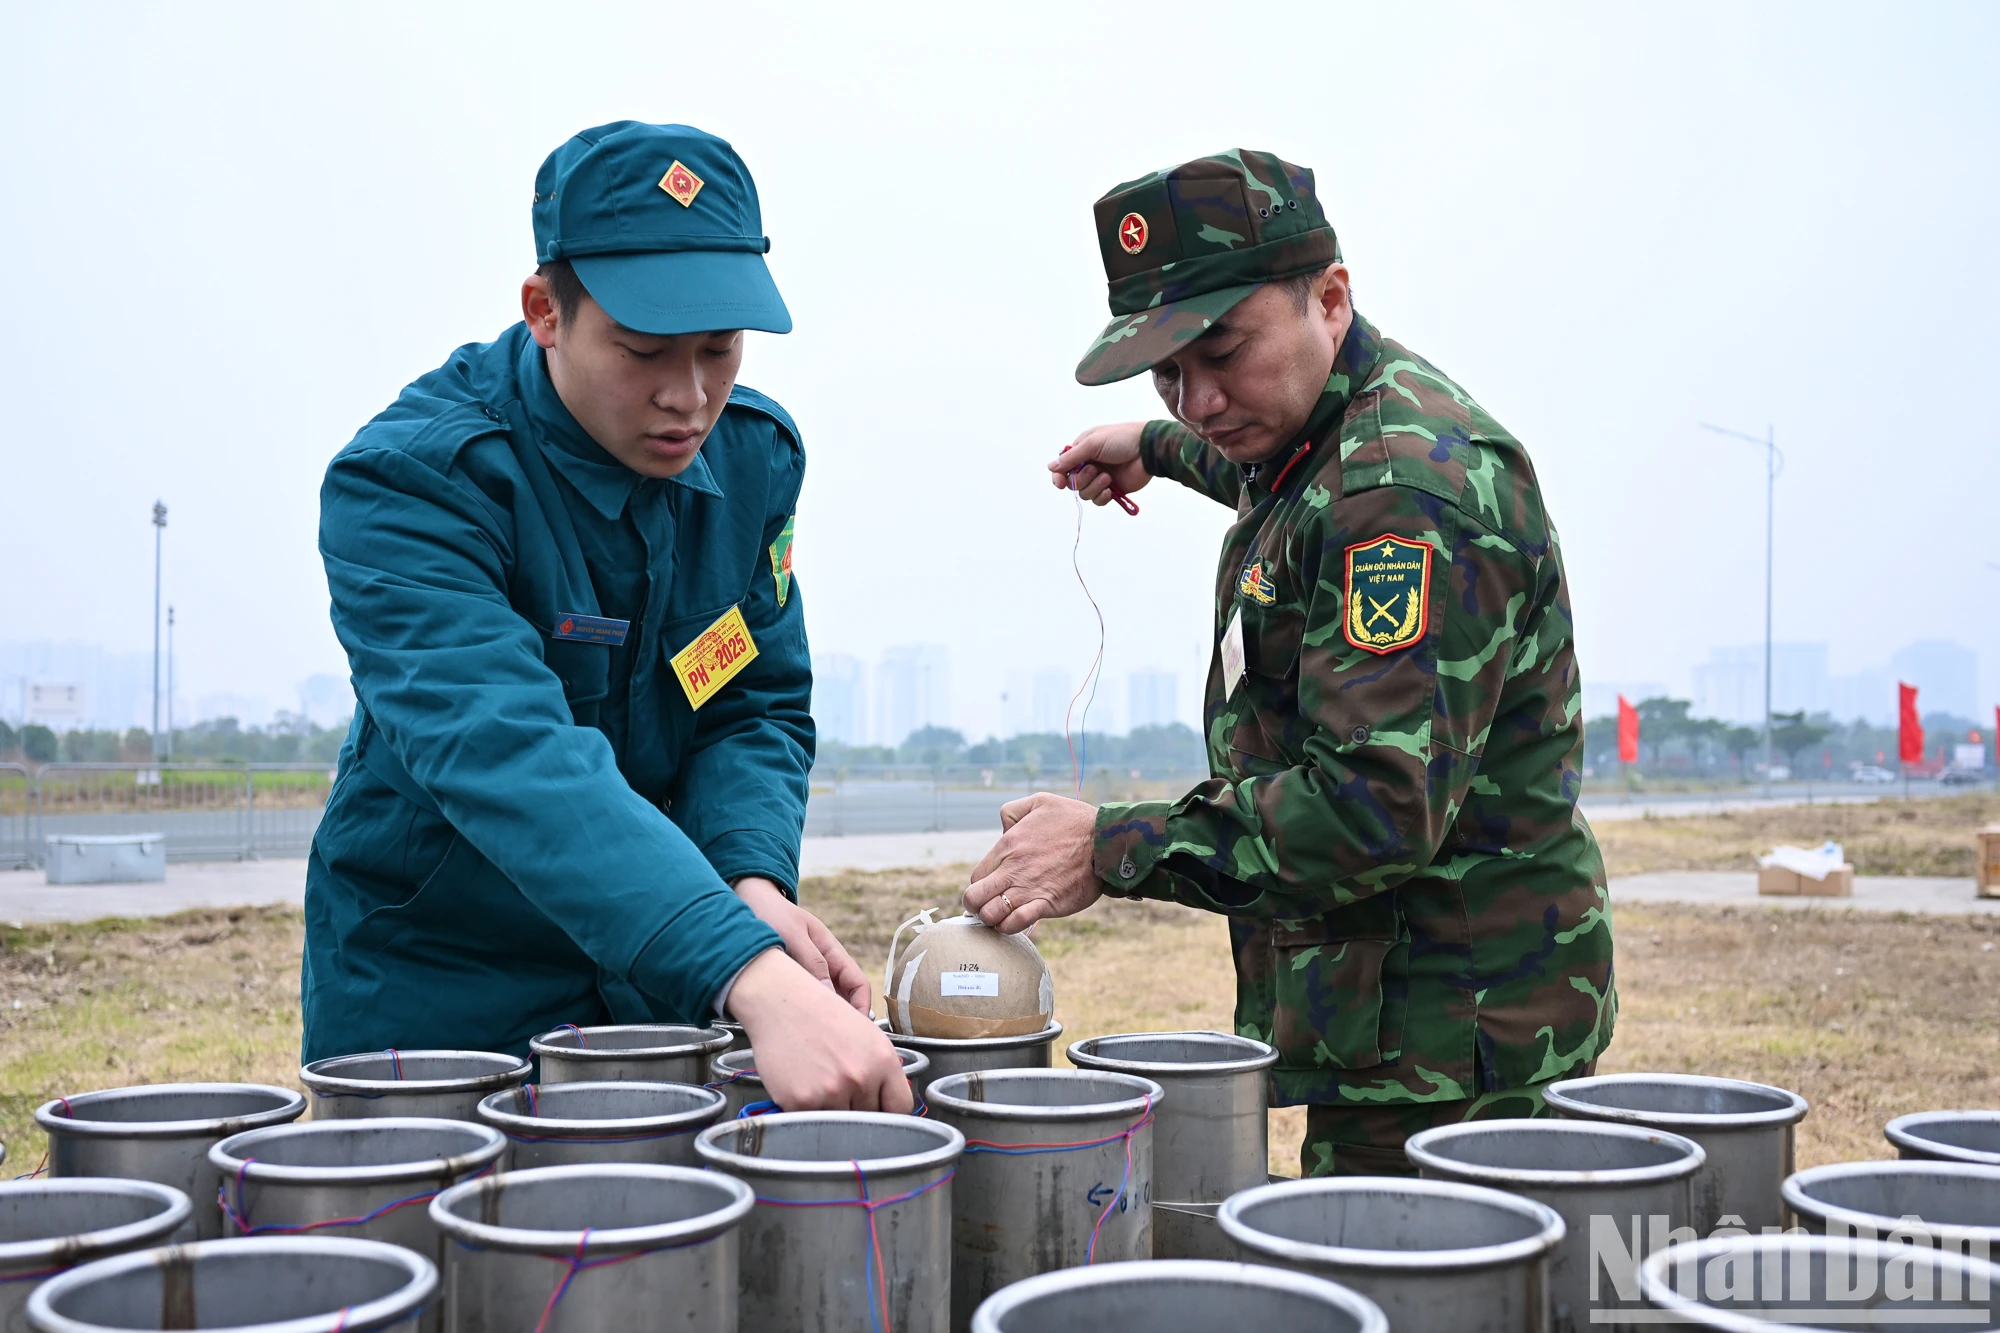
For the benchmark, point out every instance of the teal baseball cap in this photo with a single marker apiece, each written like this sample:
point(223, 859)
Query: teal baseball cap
point(663, 228)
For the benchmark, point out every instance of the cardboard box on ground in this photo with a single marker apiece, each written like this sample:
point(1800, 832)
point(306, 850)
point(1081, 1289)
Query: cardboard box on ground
point(1987, 869)
point(1776, 881)
point(1800, 872)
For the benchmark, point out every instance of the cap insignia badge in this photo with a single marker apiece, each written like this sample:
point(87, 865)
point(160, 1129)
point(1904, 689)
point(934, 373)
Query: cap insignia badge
point(681, 184)
point(1132, 233)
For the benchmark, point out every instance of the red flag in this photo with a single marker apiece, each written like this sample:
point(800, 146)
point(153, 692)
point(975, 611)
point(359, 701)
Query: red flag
point(1909, 727)
point(1628, 732)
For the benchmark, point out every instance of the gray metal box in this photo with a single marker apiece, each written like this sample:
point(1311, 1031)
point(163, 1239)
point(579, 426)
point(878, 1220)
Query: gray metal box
point(124, 858)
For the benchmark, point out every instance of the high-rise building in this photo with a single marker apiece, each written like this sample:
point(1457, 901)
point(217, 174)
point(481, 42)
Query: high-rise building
point(1052, 694)
point(1730, 685)
point(1866, 696)
point(912, 691)
point(1946, 676)
point(840, 698)
point(326, 700)
point(1152, 696)
point(1017, 705)
point(116, 688)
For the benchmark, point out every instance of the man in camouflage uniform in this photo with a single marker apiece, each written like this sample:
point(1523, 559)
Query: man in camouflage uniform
point(1417, 908)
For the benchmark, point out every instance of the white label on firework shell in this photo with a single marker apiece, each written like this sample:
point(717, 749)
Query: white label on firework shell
point(969, 983)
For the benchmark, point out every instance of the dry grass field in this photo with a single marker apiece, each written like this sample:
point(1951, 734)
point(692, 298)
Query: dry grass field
point(1868, 1016)
point(1886, 837)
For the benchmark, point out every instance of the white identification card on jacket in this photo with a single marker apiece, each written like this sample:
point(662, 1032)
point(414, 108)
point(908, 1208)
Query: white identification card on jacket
point(1232, 654)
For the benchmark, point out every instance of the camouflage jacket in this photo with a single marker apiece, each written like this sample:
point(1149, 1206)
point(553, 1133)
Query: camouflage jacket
point(1418, 909)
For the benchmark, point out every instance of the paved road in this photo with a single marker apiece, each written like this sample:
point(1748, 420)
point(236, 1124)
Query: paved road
point(1709, 888)
point(25, 897)
point(900, 807)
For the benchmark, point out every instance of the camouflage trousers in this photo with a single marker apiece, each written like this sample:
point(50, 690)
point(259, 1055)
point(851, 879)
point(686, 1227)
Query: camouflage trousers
point(1368, 1140)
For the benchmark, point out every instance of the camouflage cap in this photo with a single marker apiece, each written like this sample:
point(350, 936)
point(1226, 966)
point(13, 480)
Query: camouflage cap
point(1182, 246)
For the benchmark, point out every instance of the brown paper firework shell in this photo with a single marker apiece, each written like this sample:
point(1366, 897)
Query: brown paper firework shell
point(961, 979)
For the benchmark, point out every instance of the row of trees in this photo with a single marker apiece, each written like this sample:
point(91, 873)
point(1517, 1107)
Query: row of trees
point(1671, 741)
point(294, 739)
point(291, 739)
point(1175, 748)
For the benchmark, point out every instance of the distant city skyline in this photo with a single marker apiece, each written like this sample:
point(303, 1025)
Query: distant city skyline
point(1729, 686)
point(858, 702)
point(1154, 698)
point(113, 691)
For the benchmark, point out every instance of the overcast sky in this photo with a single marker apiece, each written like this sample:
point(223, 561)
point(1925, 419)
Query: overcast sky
point(236, 232)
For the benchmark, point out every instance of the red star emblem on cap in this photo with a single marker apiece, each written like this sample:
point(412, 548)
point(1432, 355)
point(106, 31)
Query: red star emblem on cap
point(1132, 233)
point(681, 184)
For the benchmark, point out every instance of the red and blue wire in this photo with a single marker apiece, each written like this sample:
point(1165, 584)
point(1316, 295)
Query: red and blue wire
point(875, 1273)
point(1031, 1149)
point(1078, 763)
point(239, 1214)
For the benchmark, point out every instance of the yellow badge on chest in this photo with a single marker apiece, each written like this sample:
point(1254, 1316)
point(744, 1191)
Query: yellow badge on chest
point(1255, 583)
point(714, 658)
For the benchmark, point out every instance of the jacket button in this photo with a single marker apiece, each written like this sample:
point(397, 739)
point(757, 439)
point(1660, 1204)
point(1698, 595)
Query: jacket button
point(1126, 869)
point(1359, 735)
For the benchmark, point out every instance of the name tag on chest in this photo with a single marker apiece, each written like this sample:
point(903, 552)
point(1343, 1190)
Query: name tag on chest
point(1232, 654)
point(714, 658)
point(592, 629)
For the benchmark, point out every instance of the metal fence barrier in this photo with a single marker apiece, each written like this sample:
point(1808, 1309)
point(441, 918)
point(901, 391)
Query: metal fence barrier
point(207, 812)
point(234, 812)
point(17, 791)
point(919, 798)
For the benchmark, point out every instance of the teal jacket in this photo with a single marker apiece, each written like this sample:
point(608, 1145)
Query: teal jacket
point(529, 829)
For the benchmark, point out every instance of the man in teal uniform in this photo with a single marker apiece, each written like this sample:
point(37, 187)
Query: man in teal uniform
point(561, 569)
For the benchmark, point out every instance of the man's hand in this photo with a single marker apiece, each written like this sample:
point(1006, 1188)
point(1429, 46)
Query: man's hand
point(1103, 458)
point(814, 1052)
point(811, 945)
point(1040, 867)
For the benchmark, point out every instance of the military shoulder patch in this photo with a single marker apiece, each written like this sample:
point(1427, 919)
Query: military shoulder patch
point(781, 560)
point(1388, 594)
point(1255, 584)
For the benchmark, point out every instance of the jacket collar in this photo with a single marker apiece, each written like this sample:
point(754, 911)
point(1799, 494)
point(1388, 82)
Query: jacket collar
point(601, 479)
point(1352, 364)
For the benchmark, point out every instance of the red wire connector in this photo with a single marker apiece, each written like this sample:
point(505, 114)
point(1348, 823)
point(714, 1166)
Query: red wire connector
point(1125, 502)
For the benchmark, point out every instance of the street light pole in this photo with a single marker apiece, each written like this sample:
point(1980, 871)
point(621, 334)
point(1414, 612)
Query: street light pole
point(1774, 463)
point(170, 683)
point(159, 530)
